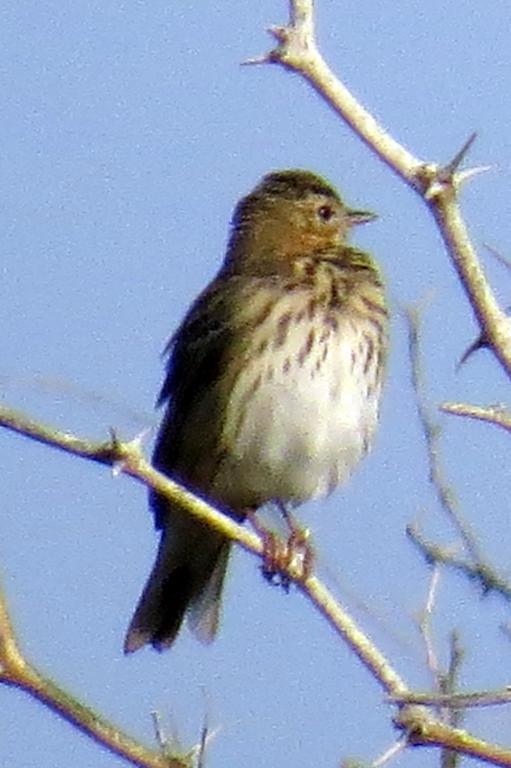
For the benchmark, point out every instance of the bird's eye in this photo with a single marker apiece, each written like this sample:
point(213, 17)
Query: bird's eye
point(325, 212)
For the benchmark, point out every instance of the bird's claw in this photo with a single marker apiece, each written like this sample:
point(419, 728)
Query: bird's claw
point(287, 559)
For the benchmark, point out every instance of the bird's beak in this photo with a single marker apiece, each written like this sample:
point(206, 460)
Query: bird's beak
point(360, 217)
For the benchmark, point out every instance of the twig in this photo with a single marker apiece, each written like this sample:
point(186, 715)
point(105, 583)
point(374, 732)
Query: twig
point(431, 433)
point(390, 754)
point(424, 732)
point(445, 683)
point(481, 573)
point(127, 459)
point(298, 52)
point(18, 672)
point(449, 683)
point(475, 567)
point(470, 700)
point(425, 627)
point(497, 415)
point(420, 727)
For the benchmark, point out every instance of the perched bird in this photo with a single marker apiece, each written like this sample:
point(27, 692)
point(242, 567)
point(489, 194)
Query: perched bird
point(272, 390)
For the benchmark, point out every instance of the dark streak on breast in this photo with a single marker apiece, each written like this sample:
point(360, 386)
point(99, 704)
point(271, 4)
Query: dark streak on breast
point(282, 329)
point(332, 321)
point(307, 347)
point(309, 273)
point(374, 306)
point(264, 313)
point(247, 395)
point(369, 352)
point(254, 386)
point(378, 323)
point(335, 299)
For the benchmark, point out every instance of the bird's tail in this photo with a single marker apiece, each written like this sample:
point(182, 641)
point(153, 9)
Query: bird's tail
point(187, 578)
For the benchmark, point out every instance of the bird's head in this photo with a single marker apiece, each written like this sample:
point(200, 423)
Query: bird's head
point(290, 214)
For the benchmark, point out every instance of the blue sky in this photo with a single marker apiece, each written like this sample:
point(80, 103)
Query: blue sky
point(129, 131)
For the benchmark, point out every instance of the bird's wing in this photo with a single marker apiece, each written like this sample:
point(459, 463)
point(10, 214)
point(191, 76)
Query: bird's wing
point(204, 357)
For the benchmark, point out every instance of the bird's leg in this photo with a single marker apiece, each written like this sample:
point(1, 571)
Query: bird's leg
point(298, 550)
point(275, 552)
point(280, 555)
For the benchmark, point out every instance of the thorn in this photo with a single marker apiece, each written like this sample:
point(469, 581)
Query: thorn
point(201, 757)
point(158, 730)
point(497, 255)
point(264, 58)
point(136, 443)
point(470, 173)
point(479, 343)
point(198, 753)
point(281, 34)
point(481, 340)
point(447, 175)
point(451, 168)
point(140, 437)
point(114, 439)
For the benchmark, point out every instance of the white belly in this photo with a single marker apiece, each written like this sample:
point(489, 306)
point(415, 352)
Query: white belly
point(298, 423)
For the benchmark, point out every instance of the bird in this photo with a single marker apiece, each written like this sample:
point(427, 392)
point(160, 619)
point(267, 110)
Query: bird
point(272, 389)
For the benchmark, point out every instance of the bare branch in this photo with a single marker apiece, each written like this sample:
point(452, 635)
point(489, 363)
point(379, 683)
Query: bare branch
point(431, 432)
point(128, 459)
point(484, 575)
point(298, 52)
point(390, 754)
point(438, 185)
point(471, 699)
point(18, 672)
point(418, 725)
point(425, 625)
point(475, 567)
point(448, 685)
point(424, 732)
point(495, 414)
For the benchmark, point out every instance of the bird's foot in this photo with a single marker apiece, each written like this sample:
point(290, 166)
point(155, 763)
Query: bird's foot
point(300, 551)
point(285, 560)
point(275, 560)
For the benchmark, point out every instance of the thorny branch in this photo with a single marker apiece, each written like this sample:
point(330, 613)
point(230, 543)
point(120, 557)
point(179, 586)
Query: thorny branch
point(431, 432)
point(16, 671)
point(418, 725)
point(480, 573)
point(475, 566)
point(496, 414)
point(126, 458)
point(437, 184)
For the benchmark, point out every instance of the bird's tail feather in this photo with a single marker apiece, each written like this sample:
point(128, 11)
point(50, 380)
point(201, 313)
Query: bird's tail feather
point(188, 575)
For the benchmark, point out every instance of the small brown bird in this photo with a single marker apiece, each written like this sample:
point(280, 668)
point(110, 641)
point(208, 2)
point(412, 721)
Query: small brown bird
point(272, 390)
